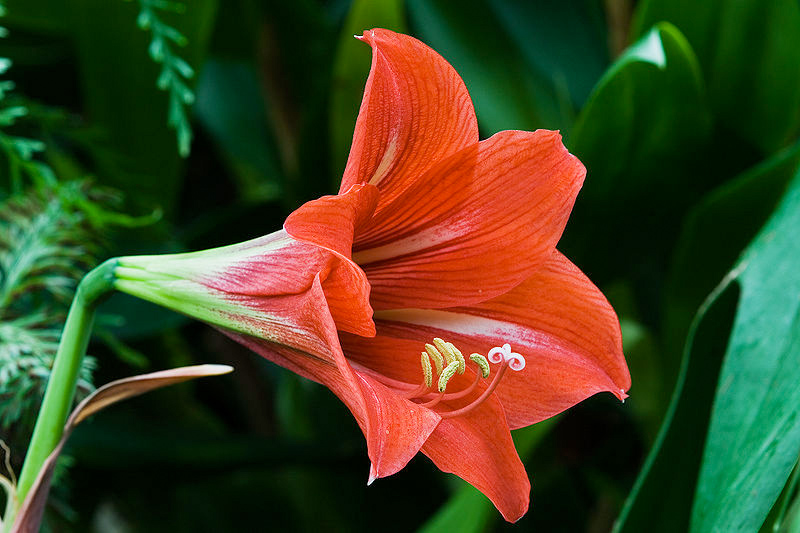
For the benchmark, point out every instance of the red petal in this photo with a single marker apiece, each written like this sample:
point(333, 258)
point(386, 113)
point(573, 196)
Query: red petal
point(478, 448)
point(558, 320)
point(394, 427)
point(329, 223)
point(474, 226)
point(415, 111)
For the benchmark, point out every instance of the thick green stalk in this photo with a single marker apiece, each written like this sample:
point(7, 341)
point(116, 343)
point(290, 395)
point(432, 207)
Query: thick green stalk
point(60, 392)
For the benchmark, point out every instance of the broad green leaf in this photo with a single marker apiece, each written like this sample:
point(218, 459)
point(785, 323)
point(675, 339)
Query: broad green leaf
point(661, 498)
point(506, 92)
point(754, 436)
point(566, 42)
point(121, 97)
point(643, 120)
point(640, 136)
point(713, 236)
point(749, 51)
point(231, 107)
point(702, 256)
point(351, 67)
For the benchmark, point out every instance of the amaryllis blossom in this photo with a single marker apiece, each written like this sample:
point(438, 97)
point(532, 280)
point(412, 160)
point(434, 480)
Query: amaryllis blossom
point(428, 294)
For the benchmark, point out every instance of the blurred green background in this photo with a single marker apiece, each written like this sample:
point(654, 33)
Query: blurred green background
point(149, 126)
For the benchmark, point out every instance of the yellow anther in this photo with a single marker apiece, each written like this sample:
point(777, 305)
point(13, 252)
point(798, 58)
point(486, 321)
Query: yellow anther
point(462, 364)
point(451, 353)
point(426, 369)
point(481, 361)
point(446, 374)
point(438, 360)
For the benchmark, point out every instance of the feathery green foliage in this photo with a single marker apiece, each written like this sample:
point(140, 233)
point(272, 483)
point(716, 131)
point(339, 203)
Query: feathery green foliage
point(174, 70)
point(18, 151)
point(47, 242)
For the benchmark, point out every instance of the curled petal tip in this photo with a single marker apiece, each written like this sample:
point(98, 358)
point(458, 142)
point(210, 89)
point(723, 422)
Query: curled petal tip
point(373, 475)
point(621, 394)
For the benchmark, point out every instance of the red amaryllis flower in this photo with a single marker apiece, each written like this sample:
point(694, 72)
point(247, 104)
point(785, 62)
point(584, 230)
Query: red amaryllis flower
point(451, 241)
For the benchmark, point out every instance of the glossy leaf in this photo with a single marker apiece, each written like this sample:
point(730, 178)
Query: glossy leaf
point(703, 256)
point(507, 93)
point(661, 498)
point(663, 494)
point(642, 122)
point(749, 51)
point(231, 107)
point(754, 436)
point(640, 136)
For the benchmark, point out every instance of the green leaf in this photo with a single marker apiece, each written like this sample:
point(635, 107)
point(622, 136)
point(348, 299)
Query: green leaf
point(351, 67)
point(640, 135)
point(564, 41)
point(754, 436)
point(713, 236)
point(749, 51)
point(703, 257)
point(506, 91)
point(661, 498)
point(230, 105)
point(643, 121)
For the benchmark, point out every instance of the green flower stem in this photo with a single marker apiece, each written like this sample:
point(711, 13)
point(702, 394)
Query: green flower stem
point(61, 386)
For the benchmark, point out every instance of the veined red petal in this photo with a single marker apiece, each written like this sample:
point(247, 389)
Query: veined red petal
point(476, 446)
point(473, 226)
point(478, 449)
point(558, 320)
point(329, 223)
point(415, 111)
point(394, 427)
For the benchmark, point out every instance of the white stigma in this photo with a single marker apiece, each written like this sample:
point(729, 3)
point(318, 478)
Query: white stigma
point(503, 353)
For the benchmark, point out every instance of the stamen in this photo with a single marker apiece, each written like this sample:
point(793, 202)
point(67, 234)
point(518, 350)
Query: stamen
point(481, 361)
point(436, 356)
point(451, 353)
point(502, 355)
point(446, 374)
point(489, 390)
point(462, 364)
point(465, 392)
point(426, 369)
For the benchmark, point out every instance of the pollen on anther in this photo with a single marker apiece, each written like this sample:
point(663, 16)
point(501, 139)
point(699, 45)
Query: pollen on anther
point(451, 353)
point(438, 360)
point(446, 374)
point(481, 361)
point(462, 364)
point(427, 371)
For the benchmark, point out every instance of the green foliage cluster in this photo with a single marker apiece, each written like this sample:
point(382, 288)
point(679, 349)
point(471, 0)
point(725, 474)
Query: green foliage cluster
point(174, 70)
point(46, 246)
point(687, 117)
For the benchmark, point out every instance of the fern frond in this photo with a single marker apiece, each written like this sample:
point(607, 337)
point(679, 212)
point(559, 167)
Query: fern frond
point(47, 243)
point(175, 72)
point(19, 151)
point(42, 247)
point(27, 348)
